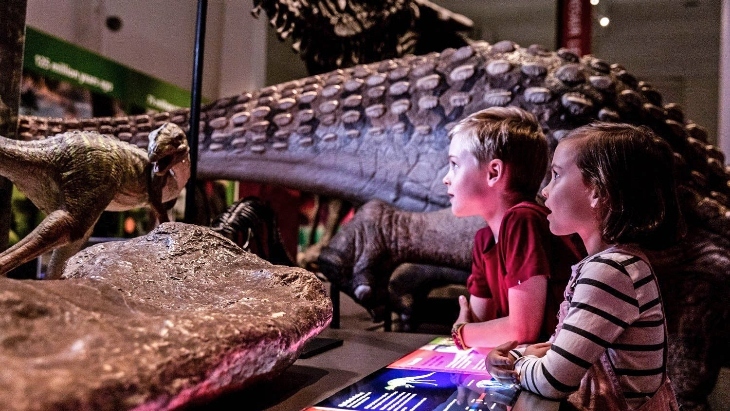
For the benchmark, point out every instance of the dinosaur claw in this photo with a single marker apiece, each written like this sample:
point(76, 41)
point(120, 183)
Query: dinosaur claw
point(363, 292)
point(160, 166)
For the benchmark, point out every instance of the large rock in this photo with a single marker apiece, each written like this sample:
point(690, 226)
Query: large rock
point(154, 323)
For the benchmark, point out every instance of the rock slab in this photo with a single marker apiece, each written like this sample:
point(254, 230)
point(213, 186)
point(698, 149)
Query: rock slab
point(159, 322)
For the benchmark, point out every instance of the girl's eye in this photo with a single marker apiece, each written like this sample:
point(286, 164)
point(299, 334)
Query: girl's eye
point(555, 175)
point(452, 165)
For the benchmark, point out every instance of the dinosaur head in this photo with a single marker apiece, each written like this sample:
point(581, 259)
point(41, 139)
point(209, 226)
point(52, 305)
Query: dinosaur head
point(167, 147)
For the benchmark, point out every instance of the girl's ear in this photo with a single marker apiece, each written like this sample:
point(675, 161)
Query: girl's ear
point(595, 199)
point(495, 171)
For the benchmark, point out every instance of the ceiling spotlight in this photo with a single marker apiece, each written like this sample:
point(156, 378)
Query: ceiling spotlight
point(595, 2)
point(604, 21)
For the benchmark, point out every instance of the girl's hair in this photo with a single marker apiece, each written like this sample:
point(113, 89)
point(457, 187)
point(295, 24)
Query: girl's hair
point(512, 135)
point(632, 171)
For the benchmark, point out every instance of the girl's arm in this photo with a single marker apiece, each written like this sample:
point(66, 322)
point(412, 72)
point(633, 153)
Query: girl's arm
point(603, 304)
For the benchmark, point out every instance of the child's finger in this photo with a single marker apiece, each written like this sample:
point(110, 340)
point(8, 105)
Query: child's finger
point(505, 347)
point(463, 304)
point(501, 360)
point(464, 311)
point(542, 345)
point(504, 375)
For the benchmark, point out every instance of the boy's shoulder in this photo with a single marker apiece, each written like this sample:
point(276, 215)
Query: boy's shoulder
point(526, 209)
point(524, 218)
point(525, 214)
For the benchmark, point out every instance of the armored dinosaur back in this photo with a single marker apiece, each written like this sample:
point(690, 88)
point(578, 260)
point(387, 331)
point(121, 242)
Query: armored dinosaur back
point(380, 130)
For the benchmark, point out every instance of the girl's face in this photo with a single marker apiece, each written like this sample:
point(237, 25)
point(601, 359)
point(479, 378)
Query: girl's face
point(571, 201)
point(466, 182)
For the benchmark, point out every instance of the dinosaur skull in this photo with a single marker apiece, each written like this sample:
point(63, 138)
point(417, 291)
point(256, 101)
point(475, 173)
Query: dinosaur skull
point(167, 147)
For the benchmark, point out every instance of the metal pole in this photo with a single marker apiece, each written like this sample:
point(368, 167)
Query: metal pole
point(190, 206)
point(12, 40)
point(723, 130)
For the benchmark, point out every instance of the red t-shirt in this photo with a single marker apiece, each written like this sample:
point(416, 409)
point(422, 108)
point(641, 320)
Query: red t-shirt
point(526, 248)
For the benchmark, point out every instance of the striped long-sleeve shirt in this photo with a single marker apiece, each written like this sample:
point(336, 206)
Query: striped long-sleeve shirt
point(615, 306)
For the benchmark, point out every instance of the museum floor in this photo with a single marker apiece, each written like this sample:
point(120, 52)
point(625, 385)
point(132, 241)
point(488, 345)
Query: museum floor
point(353, 316)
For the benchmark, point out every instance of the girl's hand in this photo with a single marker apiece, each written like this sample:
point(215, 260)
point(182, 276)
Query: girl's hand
point(501, 365)
point(538, 350)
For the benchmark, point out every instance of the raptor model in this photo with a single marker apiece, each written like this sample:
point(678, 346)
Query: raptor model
point(74, 176)
point(379, 132)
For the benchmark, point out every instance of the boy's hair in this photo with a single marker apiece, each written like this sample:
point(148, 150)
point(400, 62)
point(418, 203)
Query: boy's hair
point(512, 135)
point(632, 171)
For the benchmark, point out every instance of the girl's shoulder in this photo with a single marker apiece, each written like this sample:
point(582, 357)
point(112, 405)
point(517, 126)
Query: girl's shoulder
point(617, 253)
point(627, 259)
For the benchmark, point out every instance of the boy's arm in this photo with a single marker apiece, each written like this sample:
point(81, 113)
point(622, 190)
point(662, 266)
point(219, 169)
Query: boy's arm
point(526, 307)
point(482, 309)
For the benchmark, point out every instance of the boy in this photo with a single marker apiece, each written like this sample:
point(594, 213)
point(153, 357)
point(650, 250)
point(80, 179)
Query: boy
point(497, 161)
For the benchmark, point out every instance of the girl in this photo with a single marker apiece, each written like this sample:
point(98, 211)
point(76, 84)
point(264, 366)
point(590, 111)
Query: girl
point(613, 185)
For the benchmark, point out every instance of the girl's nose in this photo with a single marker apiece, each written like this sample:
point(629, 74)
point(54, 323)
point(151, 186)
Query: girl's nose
point(544, 192)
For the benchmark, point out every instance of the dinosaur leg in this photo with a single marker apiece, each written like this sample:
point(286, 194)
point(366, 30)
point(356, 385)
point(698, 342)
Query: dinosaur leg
point(52, 232)
point(155, 199)
point(409, 288)
point(62, 254)
point(336, 211)
point(362, 255)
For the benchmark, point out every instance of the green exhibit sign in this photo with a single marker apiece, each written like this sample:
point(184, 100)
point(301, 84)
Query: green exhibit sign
point(52, 57)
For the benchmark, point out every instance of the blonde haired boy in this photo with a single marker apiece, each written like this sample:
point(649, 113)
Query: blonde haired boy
point(498, 159)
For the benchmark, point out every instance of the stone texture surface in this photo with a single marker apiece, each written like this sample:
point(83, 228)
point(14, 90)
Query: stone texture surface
point(172, 318)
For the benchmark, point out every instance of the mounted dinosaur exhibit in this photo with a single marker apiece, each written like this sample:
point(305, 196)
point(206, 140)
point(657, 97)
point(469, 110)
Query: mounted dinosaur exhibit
point(379, 132)
point(376, 135)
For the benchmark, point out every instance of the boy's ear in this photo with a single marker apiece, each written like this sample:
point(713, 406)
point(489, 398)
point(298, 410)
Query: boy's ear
point(495, 171)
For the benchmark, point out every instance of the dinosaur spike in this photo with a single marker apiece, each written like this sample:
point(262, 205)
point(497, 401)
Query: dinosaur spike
point(331, 90)
point(353, 100)
point(534, 69)
point(504, 46)
point(396, 89)
point(376, 92)
point(497, 67)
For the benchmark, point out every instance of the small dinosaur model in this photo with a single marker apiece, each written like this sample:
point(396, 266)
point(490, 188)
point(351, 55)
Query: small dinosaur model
point(73, 177)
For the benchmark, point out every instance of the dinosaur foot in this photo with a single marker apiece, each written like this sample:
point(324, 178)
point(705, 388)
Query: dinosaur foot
point(333, 265)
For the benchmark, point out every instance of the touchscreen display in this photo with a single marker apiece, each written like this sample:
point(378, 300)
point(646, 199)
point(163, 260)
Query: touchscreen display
point(435, 377)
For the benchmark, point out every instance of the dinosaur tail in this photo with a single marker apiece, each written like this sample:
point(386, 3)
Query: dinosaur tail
point(18, 158)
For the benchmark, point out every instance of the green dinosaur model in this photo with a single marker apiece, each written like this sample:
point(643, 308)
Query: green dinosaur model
point(73, 177)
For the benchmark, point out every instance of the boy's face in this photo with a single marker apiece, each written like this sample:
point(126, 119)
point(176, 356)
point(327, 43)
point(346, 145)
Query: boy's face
point(466, 181)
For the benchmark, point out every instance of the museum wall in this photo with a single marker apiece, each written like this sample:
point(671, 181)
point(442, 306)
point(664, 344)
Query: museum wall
point(157, 38)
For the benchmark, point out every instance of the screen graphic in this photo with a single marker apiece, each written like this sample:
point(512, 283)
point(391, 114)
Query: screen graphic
point(435, 377)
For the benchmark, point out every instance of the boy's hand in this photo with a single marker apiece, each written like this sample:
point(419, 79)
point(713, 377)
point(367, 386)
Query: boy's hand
point(465, 315)
point(501, 365)
point(538, 350)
